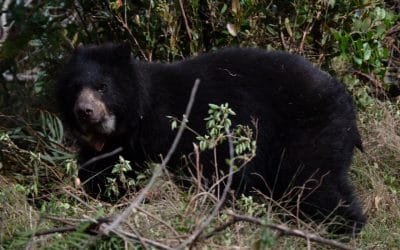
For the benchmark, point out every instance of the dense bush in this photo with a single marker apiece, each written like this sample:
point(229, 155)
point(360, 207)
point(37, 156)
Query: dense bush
point(37, 36)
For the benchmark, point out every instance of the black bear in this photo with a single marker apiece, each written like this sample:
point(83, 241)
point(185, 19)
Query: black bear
point(305, 120)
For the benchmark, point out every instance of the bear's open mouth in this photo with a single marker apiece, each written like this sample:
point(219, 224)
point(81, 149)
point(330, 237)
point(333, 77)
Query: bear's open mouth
point(96, 134)
point(95, 141)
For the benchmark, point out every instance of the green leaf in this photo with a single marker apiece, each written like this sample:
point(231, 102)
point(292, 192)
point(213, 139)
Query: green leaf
point(223, 9)
point(174, 124)
point(203, 145)
point(288, 27)
point(357, 60)
point(367, 51)
point(380, 13)
point(213, 106)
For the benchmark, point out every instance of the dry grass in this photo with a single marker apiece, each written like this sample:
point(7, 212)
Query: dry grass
point(377, 173)
point(16, 215)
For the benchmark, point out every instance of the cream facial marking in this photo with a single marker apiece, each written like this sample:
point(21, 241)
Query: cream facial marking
point(91, 112)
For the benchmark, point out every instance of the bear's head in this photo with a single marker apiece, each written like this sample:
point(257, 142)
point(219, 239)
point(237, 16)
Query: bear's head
point(92, 92)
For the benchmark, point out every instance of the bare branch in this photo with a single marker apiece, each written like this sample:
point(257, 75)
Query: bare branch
point(79, 199)
point(92, 230)
point(145, 240)
point(100, 157)
point(159, 220)
point(56, 230)
point(199, 173)
point(221, 228)
point(185, 20)
point(158, 170)
point(126, 27)
point(282, 229)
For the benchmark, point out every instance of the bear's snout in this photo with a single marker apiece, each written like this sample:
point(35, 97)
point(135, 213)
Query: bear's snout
point(89, 108)
point(85, 111)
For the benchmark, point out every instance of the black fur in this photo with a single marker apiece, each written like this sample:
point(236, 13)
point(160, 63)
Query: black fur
point(306, 121)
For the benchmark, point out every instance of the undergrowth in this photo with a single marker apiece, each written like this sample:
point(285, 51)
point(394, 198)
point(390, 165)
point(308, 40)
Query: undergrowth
point(170, 213)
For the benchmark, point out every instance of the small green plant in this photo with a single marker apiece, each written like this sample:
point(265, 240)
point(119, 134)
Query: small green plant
point(183, 224)
point(112, 242)
point(267, 239)
point(243, 140)
point(112, 189)
point(75, 240)
point(71, 167)
point(4, 137)
point(392, 183)
point(218, 121)
point(120, 169)
point(251, 207)
point(58, 205)
point(36, 162)
point(359, 90)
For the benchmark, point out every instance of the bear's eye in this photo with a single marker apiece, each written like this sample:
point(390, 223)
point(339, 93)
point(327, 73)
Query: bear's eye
point(101, 88)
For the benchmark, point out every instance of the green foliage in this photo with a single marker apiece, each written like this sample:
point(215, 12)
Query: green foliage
point(251, 207)
point(359, 90)
point(243, 141)
point(71, 167)
point(363, 40)
point(58, 205)
point(112, 189)
point(111, 242)
point(217, 122)
point(392, 183)
point(35, 162)
point(267, 239)
point(30, 152)
point(30, 54)
point(44, 33)
point(19, 241)
point(75, 240)
point(120, 171)
point(217, 125)
point(183, 225)
point(16, 215)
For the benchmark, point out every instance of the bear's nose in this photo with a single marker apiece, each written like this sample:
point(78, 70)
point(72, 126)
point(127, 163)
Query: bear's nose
point(85, 112)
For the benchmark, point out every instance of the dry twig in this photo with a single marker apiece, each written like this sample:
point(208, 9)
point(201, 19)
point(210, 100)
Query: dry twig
point(100, 157)
point(93, 229)
point(185, 20)
point(125, 25)
point(282, 229)
point(147, 241)
point(159, 220)
point(217, 208)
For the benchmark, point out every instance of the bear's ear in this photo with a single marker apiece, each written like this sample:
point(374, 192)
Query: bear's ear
point(78, 47)
point(123, 51)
